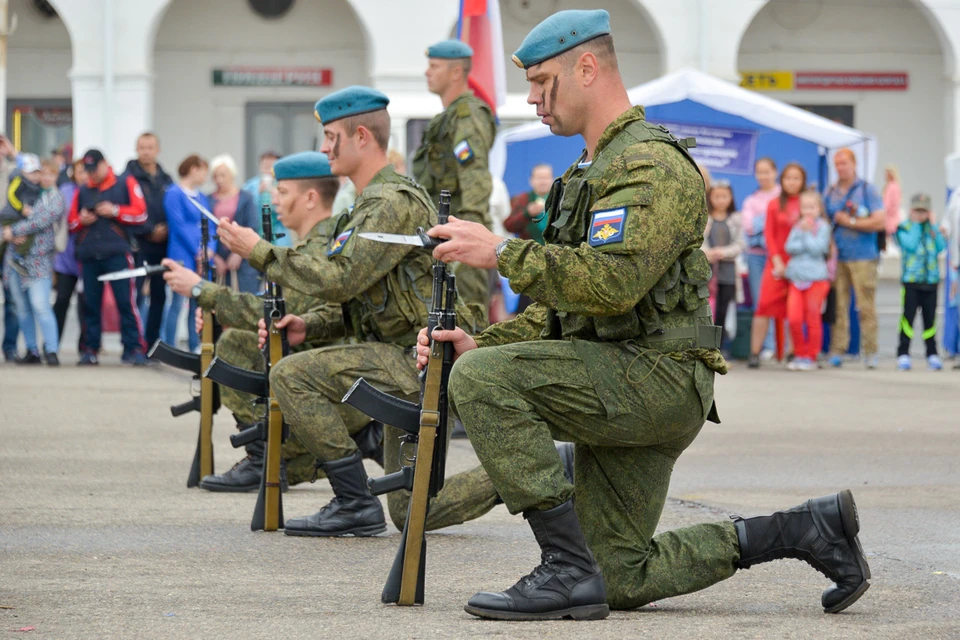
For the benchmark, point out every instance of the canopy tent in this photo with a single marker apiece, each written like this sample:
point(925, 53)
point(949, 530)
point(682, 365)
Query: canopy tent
point(733, 126)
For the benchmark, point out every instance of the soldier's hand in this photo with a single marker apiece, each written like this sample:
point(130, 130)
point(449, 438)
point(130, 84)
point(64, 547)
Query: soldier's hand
point(462, 342)
point(198, 320)
point(180, 279)
point(470, 243)
point(239, 240)
point(296, 330)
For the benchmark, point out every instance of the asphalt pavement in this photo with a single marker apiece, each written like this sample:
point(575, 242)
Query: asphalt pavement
point(100, 538)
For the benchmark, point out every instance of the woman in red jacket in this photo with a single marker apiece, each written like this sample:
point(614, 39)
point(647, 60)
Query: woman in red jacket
point(782, 214)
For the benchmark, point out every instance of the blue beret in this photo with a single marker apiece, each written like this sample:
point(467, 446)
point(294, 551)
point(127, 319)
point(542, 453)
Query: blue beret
point(561, 32)
point(450, 50)
point(299, 166)
point(351, 101)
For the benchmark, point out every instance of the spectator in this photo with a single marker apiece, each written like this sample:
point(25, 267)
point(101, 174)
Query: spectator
point(261, 187)
point(31, 284)
point(499, 208)
point(892, 200)
point(754, 217)
point(782, 214)
point(11, 325)
point(231, 203)
point(920, 244)
point(722, 243)
point(103, 213)
point(345, 196)
point(527, 219)
point(183, 245)
point(65, 263)
point(856, 210)
point(808, 246)
point(399, 163)
point(63, 173)
point(153, 181)
point(22, 193)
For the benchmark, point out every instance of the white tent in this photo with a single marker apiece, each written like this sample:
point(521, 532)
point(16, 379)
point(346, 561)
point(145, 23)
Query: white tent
point(689, 84)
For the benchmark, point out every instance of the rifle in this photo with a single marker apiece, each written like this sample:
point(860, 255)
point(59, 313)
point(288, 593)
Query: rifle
point(208, 401)
point(268, 512)
point(424, 426)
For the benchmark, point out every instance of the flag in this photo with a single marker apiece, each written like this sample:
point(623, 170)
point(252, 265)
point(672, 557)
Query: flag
point(479, 26)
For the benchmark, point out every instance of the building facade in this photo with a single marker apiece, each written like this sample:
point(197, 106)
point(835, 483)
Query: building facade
point(240, 76)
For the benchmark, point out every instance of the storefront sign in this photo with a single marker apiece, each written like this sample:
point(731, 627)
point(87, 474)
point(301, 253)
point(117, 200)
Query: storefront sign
point(767, 80)
point(273, 77)
point(719, 148)
point(850, 81)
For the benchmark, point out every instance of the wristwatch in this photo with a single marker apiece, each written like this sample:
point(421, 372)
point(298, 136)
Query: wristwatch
point(196, 290)
point(501, 247)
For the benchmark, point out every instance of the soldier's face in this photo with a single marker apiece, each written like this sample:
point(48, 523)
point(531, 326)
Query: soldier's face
point(438, 75)
point(551, 93)
point(340, 148)
point(287, 201)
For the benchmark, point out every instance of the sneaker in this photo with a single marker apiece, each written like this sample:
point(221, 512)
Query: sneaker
point(52, 359)
point(767, 354)
point(134, 357)
point(88, 358)
point(794, 365)
point(805, 364)
point(871, 362)
point(934, 362)
point(753, 361)
point(835, 361)
point(903, 363)
point(10, 356)
point(32, 357)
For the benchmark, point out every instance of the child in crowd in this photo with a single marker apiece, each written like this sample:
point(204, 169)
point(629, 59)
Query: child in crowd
point(808, 246)
point(722, 243)
point(22, 193)
point(920, 244)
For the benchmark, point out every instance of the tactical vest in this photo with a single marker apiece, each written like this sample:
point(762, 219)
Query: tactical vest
point(675, 314)
point(394, 309)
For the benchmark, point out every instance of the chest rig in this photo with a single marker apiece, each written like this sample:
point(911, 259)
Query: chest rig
point(675, 314)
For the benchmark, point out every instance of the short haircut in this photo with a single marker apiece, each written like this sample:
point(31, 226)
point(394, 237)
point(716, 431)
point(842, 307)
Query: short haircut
point(189, 163)
point(542, 165)
point(376, 122)
point(50, 165)
point(224, 160)
point(326, 187)
point(149, 134)
point(465, 63)
point(269, 154)
point(845, 152)
point(601, 47)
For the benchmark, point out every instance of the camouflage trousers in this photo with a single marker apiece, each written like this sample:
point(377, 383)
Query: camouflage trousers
point(631, 414)
point(239, 348)
point(309, 387)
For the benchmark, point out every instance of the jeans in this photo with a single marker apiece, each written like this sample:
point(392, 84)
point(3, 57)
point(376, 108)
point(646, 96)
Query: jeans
point(755, 264)
point(11, 324)
point(131, 328)
point(34, 305)
point(172, 320)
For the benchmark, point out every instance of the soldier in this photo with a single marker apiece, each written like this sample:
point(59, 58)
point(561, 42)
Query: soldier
point(305, 192)
point(617, 354)
point(453, 155)
point(384, 290)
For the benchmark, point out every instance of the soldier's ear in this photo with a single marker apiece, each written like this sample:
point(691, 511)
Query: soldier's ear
point(587, 68)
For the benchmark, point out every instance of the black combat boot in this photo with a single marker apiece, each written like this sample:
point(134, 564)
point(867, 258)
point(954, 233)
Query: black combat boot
point(370, 441)
point(353, 510)
point(567, 584)
point(243, 477)
point(823, 533)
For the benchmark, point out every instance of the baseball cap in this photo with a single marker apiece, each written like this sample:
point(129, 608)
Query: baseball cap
point(29, 162)
point(921, 201)
point(91, 159)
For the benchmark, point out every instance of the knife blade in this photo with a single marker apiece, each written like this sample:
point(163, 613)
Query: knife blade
point(145, 270)
point(419, 240)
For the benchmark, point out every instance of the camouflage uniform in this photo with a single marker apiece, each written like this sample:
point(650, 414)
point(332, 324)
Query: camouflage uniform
point(241, 312)
point(617, 355)
point(384, 290)
point(453, 156)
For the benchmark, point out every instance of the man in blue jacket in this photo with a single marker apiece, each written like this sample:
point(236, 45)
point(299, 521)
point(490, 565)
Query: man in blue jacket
point(104, 213)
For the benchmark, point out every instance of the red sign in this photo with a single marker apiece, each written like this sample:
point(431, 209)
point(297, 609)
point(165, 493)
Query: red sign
point(850, 81)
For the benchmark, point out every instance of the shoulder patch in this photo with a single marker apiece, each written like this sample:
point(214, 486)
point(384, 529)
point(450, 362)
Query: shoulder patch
point(463, 152)
point(606, 227)
point(338, 242)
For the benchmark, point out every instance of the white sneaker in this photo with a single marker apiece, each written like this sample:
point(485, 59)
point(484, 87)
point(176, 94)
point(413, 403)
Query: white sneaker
point(794, 365)
point(767, 355)
point(804, 364)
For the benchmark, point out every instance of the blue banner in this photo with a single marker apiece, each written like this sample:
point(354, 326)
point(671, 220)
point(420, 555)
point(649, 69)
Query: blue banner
point(719, 149)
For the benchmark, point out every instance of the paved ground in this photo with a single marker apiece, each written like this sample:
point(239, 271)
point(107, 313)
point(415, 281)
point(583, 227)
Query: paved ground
point(101, 539)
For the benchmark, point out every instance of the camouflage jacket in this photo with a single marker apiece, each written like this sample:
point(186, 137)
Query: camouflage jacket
point(384, 289)
point(454, 156)
point(244, 310)
point(622, 260)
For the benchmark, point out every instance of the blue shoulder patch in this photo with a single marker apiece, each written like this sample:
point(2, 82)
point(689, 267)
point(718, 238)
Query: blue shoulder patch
point(463, 152)
point(338, 242)
point(606, 227)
